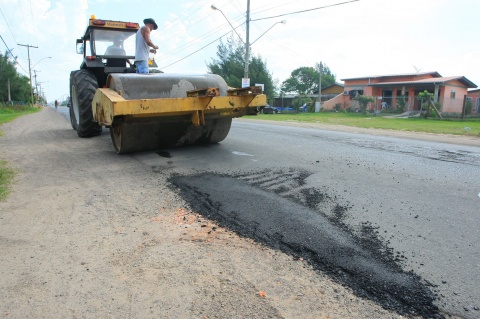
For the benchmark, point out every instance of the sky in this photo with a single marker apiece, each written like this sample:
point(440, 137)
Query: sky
point(356, 38)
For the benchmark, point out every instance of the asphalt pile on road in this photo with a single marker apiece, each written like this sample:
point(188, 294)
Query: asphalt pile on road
point(253, 206)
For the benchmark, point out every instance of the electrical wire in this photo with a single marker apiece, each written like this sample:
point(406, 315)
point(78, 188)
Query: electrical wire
point(164, 67)
point(178, 20)
point(302, 11)
point(195, 41)
point(23, 18)
point(8, 25)
point(16, 62)
point(6, 46)
point(208, 34)
point(236, 5)
point(201, 37)
point(34, 23)
point(268, 7)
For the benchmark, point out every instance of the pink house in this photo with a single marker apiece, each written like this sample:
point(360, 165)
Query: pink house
point(474, 97)
point(401, 90)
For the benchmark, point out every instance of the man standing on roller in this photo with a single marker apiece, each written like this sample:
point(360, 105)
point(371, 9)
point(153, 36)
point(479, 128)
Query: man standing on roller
point(143, 44)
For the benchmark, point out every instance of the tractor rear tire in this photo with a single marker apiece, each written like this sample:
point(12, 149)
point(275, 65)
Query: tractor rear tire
point(73, 119)
point(83, 85)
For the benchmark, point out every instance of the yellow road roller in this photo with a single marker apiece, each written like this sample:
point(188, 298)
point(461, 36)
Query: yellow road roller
point(146, 112)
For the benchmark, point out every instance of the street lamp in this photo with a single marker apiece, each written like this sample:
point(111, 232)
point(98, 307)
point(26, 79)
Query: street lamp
point(215, 8)
point(282, 22)
point(48, 57)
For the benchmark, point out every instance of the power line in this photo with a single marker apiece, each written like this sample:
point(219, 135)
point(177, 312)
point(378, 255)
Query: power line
point(200, 38)
point(177, 20)
point(192, 42)
point(302, 11)
point(6, 46)
point(8, 25)
point(164, 67)
point(23, 17)
point(34, 22)
point(16, 62)
point(275, 6)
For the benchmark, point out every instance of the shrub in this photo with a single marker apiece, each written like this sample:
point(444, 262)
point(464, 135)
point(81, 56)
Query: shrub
point(364, 100)
point(401, 104)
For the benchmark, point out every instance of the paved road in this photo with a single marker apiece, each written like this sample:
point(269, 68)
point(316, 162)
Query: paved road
point(371, 211)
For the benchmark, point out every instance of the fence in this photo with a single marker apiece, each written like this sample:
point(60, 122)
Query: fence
point(447, 105)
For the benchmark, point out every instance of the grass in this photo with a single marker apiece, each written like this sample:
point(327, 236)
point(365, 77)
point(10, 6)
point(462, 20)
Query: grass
point(6, 177)
point(9, 113)
point(467, 127)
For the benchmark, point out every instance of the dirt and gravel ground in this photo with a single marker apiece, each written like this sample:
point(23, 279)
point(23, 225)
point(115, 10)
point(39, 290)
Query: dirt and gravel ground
point(86, 233)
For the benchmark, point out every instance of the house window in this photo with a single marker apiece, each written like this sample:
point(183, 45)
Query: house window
point(477, 105)
point(452, 95)
point(354, 93)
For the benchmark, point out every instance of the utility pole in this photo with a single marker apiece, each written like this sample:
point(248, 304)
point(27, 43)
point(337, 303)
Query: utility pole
point(36, 84)
point(9, 97)
point(320, 66)
point(247, 47)
point(29, 67)
point(40, 93)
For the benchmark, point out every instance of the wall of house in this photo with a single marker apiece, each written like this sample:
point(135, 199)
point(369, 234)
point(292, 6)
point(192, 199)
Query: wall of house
point(339, 99)
point(449, 103)
point(334, 89)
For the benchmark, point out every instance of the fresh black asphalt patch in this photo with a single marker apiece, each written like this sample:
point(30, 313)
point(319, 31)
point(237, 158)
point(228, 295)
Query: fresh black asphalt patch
point(251, 206)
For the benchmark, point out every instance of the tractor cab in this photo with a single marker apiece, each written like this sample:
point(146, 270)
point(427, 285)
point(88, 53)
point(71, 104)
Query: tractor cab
point(107, 47)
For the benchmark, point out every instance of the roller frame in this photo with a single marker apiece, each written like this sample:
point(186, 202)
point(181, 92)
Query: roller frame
point(108, 105)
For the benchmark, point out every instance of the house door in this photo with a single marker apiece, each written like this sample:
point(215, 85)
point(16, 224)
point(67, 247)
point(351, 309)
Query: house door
point(387, 97)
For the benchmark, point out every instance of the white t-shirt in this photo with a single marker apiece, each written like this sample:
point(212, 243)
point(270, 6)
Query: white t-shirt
point(141, 47)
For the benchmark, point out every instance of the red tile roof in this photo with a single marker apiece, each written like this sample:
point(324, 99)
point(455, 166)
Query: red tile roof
point(437, 80)
point(434, 74)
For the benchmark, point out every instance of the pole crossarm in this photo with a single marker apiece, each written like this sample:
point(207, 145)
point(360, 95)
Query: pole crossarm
point(29, 68)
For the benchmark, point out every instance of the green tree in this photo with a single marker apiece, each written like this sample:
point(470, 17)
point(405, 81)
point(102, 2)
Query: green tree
point(364, 100)
point(19, 84)
point(304, 80)
point(425, 98)
point(301, 100)
point(230, 65)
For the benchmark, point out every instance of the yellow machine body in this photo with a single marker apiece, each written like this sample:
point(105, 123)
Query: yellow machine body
point(108, 104)
point(149, 112)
